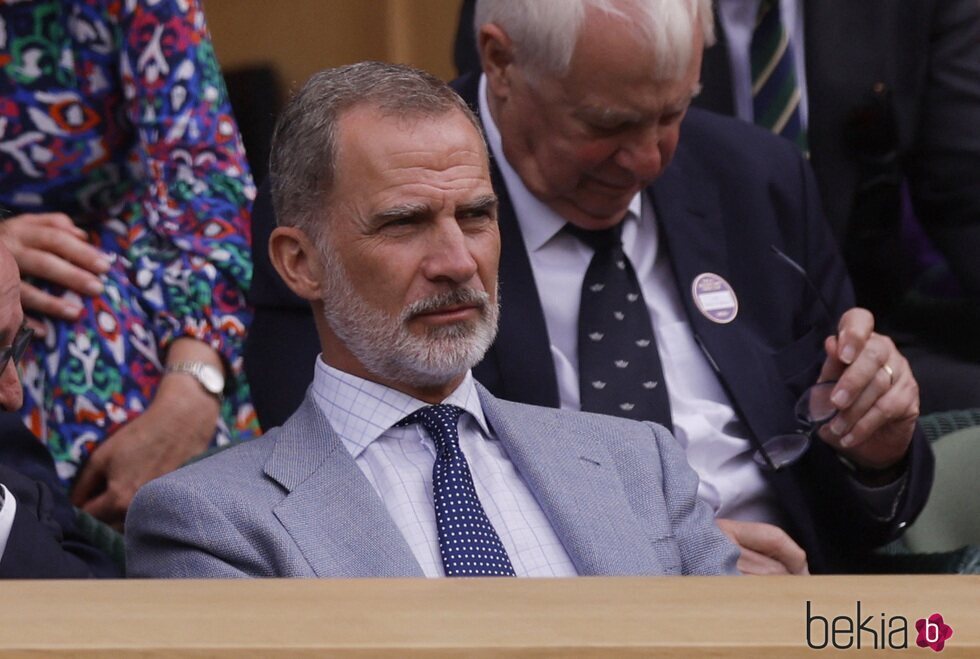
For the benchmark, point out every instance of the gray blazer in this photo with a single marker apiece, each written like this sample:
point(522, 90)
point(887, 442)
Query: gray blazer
point(293, 503)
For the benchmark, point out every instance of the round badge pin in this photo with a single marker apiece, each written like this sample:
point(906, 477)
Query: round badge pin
point(714, 297)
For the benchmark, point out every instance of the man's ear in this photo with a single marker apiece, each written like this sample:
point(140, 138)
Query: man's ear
point(497, 55)
point(297, 261)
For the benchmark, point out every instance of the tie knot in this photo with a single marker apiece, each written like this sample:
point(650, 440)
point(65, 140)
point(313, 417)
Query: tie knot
point(440, 421)
point(601, 240)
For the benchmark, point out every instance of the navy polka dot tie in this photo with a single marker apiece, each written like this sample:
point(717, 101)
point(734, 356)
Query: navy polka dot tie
point(618, 364)
point(469, 545)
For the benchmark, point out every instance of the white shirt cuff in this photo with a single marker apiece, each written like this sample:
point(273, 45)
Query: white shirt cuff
point(7, 511)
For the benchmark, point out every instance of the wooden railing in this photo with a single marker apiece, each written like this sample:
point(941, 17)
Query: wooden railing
point(671, 617)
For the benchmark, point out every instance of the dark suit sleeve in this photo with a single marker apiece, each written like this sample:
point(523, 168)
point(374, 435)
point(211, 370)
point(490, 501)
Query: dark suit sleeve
point(944, 164)
point(43, 542)
point(849, 528)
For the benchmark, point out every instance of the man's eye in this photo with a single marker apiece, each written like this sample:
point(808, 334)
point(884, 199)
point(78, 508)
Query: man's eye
point(477, 217)
point(605, 129)
point(399, 223)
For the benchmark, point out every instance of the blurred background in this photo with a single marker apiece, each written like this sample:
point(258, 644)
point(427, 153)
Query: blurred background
point(268, 48)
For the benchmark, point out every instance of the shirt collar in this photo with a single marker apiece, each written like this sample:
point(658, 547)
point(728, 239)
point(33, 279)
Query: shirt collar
point(538, 223)
point(361, 411)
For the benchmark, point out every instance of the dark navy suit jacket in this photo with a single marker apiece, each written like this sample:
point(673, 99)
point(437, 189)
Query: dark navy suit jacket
point(43, 542)
point(731, 192)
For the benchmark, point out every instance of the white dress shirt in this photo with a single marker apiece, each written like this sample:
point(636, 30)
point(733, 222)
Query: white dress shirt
point(704, 422)
point(737, 19)
point(398, 463)
point(8, 508)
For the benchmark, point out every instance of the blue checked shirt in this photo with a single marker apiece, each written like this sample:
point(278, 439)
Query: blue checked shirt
point(398, 463)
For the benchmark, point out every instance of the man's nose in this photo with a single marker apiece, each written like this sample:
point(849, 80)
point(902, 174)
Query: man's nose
point(11, 393)
point(640, 153)
point(449, 256)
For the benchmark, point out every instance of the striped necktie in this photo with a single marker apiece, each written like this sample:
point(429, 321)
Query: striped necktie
point(775, 90)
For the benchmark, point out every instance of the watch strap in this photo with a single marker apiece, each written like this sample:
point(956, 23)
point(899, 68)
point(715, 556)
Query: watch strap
point(209, 377)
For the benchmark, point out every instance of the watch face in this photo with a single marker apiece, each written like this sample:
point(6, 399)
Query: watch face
point(212, 379)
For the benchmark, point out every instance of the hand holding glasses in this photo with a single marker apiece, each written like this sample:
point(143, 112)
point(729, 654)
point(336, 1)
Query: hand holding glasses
point(892, 432)
point(813, 409)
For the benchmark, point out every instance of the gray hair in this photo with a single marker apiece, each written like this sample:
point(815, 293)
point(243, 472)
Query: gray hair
point(303, 162)
point(544, 32)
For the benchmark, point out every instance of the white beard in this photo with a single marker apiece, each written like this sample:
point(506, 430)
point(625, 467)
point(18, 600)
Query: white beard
point(387, 348)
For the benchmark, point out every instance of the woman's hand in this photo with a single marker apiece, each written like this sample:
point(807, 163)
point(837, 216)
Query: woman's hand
point(175, 427)
point(49, 246)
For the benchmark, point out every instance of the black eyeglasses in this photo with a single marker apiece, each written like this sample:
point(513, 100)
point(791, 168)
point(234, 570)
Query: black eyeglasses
point(16, 349)
point(813, 409)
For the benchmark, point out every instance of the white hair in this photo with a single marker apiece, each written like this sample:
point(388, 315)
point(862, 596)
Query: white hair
point(544, 32)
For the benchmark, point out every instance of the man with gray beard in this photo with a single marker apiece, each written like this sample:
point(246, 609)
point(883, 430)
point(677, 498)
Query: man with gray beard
point(398, 463)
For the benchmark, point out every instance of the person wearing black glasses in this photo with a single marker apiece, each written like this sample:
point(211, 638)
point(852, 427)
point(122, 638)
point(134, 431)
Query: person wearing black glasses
point(38, 538)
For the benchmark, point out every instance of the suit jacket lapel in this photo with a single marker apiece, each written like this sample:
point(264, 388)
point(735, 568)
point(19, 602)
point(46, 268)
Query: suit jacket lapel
point(691, 223)
point(332, 512)
point(570, 475)
point(522, 351)
point(518, 366)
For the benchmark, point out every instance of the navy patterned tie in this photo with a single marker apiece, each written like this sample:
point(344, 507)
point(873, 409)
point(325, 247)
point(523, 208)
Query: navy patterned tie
point(618, 365)
point(775, 90)
point(468, 543)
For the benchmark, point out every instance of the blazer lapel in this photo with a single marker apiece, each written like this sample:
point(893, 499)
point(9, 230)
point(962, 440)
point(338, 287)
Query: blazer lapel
point(691, 224)
point(571, 478)
point(332, 512)
point(522, 350)
point(518, 366)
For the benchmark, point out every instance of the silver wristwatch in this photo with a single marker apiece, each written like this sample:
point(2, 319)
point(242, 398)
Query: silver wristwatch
point(211, 378)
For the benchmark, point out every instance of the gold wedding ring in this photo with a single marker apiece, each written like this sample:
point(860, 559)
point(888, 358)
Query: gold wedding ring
point(890, 372)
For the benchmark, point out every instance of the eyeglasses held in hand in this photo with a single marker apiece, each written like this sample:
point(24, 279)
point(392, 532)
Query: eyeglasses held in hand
point(813, 408)
point(813, 411)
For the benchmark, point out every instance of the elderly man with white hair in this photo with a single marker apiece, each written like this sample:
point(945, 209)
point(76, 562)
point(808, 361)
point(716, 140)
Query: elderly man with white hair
point(664, 263)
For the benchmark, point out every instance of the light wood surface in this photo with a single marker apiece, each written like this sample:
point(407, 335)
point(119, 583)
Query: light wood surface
point(673, 617)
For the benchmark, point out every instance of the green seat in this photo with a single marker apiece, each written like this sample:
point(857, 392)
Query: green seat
point(941, 424)
point(103, 537)
point(951, 518)
point(945, 538)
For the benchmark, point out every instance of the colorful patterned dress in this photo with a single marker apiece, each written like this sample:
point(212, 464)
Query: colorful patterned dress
point(114, 112)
